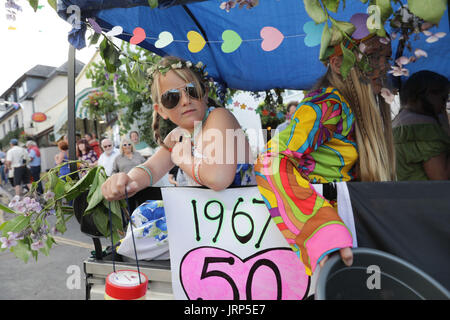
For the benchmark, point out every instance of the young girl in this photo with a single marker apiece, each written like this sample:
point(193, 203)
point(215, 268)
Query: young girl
point(208, 145)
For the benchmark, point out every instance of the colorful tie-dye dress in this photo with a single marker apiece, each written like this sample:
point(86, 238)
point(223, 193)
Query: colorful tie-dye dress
point(318, 146)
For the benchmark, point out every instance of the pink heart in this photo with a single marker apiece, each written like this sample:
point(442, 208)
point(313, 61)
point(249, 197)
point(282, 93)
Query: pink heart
point(209, 273)
point(272, 38)
point(138, 35)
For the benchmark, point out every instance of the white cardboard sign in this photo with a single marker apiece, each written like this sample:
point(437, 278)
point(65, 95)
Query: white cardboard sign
point(224, 245)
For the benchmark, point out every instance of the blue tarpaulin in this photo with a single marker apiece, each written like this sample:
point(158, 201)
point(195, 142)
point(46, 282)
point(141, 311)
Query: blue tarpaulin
point(293, 64)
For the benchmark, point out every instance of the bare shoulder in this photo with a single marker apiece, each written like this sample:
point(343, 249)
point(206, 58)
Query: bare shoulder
point(222, 117)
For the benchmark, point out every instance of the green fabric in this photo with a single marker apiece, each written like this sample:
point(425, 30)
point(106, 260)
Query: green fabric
point(141, 145)
point(416, 144)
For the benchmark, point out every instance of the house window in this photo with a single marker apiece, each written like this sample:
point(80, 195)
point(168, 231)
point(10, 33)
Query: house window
point(9, 125)
point(16, 122)
point(4, 129)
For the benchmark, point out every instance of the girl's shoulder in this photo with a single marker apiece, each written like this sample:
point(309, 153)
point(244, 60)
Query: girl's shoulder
point(221, 117)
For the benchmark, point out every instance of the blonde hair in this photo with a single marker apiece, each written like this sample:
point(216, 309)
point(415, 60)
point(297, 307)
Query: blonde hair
point(126, 140)
point(184, 73)
point(373, 127)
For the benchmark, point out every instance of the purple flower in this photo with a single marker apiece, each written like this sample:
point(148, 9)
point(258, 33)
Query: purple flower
point(14, 202)
point(106, 75)
point(37, 245)
point(116, 76)
point(11, 240)
point(48, 195)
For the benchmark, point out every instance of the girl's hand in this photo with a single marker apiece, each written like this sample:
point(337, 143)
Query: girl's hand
point(181, 151)
point(114, 186)
point(346, 256)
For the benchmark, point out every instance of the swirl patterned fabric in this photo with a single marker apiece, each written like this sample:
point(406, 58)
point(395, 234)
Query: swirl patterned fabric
point(318, 146)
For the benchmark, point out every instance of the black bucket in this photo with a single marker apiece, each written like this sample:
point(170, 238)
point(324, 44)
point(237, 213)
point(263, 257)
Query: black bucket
point(376, 275)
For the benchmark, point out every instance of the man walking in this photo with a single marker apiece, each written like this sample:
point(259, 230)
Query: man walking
point(35, 163)
point(16, 159)
point(107, 157)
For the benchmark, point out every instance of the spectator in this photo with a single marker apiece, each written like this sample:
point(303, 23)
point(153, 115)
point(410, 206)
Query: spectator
point(61, 157)
point(141, 146)
point(35, 163)
point(93, 142)
point(16, 159)
point(290, 110)
point(3, 167)
point(107, 157)
point(86, 154)
point(421, 129)
point(128, 157)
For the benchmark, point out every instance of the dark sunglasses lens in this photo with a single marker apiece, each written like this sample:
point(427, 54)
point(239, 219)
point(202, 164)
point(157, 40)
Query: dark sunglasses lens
point(192, 92)
point(170, 99)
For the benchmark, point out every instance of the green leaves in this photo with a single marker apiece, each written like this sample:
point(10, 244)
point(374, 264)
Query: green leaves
point(110, 55)
point(325, 42)
point(348, 61)
point(428, 10)
point(153, 3)
point(331, 5)
point(52, 4)
point(315, 11)
point(34, 4)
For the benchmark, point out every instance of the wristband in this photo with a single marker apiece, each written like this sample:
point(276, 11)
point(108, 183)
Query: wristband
point(148, 172)
point(195, 172)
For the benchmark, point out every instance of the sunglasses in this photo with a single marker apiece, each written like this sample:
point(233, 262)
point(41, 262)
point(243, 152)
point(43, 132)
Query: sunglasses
point(127, 144)
point(107, 146)
point(172, 97)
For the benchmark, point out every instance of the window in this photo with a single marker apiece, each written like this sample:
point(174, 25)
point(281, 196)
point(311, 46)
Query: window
point(9, 125)
point(22, 89)
point(4, 129)
point(16, 122)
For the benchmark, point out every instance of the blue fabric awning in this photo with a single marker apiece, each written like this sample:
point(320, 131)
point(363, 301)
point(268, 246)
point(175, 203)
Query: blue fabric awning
point(294, 64)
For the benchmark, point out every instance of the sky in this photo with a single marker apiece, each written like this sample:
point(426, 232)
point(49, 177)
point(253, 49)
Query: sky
point(39, 38)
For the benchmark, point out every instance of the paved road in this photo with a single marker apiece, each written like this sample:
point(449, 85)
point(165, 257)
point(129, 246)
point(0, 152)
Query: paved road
point(59, 276)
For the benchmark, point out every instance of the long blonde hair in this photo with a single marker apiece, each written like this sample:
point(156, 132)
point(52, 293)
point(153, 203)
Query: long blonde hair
point(373, 127)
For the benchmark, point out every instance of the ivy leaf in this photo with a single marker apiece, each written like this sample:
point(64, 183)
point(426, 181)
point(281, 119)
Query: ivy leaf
point(428, 10)
point(16, 225)
point(153, 3)
point(385, 9)
point(325, 42)
point(34, 4)
point(52, 4)
point(348, 61)
point(315, 10)
point(331, 5)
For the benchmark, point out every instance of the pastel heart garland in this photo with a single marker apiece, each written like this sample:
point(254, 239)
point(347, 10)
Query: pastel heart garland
point(231, 41)
point(117, 30)
point(138, 36)
point(164, 39)
point(196, 41)
point(272, 38)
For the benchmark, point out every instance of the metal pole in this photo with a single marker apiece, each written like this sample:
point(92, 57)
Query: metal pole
point(71, 119)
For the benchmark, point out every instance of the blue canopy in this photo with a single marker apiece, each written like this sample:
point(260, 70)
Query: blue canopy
point(273, 45)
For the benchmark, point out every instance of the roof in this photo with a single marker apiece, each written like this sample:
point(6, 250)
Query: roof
point(44, 72)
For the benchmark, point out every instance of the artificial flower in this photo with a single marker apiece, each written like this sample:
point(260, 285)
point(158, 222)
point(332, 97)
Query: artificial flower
point(420, 53)
point(433, 37)
point(399, 71)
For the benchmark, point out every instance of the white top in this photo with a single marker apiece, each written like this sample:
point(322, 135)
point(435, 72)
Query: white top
point(107, 161)
point(16, 155)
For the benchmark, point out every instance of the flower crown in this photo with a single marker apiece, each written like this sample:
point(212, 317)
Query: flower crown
point(198, 68)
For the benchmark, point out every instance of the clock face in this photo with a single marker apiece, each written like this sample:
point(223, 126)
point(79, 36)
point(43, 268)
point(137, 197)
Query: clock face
point(125, 278)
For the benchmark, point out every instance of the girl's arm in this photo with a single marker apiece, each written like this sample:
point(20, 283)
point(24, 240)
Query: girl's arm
point(222, 145)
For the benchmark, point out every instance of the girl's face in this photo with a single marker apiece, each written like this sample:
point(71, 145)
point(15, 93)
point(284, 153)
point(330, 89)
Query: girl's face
point(82, 147)
point(188, 110)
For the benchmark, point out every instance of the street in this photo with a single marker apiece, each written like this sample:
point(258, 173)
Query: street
point(59, 276)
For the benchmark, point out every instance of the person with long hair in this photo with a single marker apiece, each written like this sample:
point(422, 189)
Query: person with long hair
point(86, 154)
point(339, 132)
point(179, 90)
point(421, 128)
